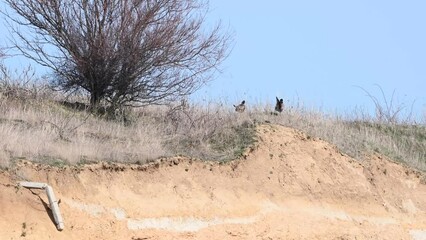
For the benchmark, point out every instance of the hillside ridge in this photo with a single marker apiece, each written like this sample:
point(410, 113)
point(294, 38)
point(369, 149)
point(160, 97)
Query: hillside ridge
point(287, 186)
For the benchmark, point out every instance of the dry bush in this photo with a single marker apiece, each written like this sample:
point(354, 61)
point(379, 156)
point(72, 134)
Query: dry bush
point(388, 110)
point(123, 52)
point(23, 85)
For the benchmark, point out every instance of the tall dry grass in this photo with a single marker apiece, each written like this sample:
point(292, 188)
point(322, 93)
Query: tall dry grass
point(45, 131)
point(35, 126)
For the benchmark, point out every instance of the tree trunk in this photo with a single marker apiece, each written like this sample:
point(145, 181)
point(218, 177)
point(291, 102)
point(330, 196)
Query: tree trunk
point(95, 99)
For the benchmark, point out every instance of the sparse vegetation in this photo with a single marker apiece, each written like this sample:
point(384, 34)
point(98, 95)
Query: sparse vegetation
point(37, 126)
point(43, 130)
point(24, 229)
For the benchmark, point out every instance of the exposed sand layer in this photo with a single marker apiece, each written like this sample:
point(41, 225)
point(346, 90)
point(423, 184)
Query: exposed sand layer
point(289, 186)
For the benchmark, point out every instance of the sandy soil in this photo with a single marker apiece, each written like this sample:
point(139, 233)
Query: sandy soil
point(289, 186)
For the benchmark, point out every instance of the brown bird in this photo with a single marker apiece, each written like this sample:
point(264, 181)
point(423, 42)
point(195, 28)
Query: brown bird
point(279, 106)
point(240, 107)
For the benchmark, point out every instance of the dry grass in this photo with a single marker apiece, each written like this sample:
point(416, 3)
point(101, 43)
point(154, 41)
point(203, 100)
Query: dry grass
point(45, 131)
point(405, 143)
point(40, 129)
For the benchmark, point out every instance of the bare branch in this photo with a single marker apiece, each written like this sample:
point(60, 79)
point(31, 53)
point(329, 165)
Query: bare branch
point(387, 111)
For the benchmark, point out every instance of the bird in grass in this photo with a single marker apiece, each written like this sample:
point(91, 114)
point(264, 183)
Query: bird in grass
point(279, 106)
point(240, 107)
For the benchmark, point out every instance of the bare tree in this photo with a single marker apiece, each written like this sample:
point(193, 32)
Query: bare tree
point(127, 52)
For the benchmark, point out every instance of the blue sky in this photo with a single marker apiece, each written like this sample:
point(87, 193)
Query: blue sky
point(318, 51)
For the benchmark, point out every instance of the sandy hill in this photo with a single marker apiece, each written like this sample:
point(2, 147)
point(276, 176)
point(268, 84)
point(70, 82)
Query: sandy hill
point(288, 186)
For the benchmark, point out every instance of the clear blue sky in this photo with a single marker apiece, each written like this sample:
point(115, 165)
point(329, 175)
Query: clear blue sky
point(317, 51)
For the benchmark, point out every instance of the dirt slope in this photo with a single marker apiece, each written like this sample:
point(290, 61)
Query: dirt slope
point(289, 186)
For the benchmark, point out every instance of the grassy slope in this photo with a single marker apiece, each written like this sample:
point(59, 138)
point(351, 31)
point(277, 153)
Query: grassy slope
point(42, 130)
